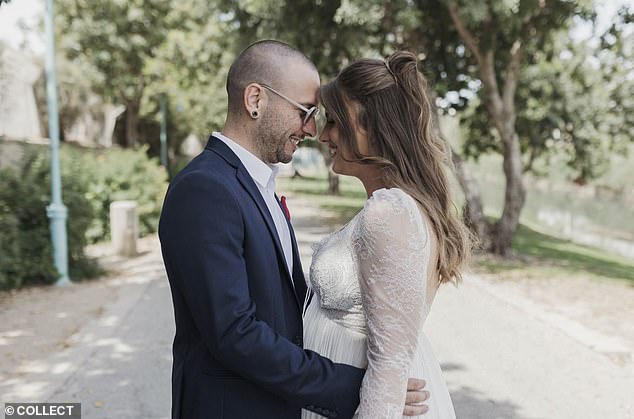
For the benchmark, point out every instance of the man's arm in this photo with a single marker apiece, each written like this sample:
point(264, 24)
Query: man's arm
point(203, 241)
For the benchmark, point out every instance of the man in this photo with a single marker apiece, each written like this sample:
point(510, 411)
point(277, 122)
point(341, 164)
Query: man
point(232, 261)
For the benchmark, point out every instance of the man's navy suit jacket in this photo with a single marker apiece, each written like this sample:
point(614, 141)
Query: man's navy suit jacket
point(238, 345)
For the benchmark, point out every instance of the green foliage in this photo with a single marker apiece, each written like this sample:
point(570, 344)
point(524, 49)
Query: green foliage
point(116, 175)
point(330, 33)
point(134, 51)
point(10, 263)
point(116, 38)
point(24, 195)
point(139, 49)
point(571, 106)
point(91, 181)
point(553, 93)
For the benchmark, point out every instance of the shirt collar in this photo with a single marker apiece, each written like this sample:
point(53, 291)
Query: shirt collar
point(262, 173)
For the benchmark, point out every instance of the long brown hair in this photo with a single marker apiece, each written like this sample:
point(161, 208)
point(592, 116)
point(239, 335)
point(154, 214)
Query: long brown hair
point(394, 109)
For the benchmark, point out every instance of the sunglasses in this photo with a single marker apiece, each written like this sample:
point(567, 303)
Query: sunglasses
point(309, 113)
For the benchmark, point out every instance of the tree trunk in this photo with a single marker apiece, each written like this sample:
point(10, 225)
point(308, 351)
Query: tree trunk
point(500, 104)
point(473, 212)
point(501, 109)
point(132, 123)
point(514, 195)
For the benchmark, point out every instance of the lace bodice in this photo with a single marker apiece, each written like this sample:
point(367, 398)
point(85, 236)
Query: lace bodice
point(371, 276)
point(333, 278)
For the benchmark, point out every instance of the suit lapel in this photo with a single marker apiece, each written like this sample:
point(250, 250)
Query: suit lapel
point(298, 275)
point(249, 185)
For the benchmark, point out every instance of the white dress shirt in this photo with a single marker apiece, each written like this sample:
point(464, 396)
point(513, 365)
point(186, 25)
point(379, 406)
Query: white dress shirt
point(264, 176)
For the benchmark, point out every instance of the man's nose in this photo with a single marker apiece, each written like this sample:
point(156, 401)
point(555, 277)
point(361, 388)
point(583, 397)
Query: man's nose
point(310, 127)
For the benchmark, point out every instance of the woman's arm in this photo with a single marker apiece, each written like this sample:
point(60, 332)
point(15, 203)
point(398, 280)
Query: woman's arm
point(392, 245)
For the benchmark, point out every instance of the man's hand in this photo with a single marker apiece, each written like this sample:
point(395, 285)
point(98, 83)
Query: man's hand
point(416, 397)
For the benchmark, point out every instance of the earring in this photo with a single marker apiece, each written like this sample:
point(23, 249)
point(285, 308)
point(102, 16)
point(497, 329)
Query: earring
point(254, 114)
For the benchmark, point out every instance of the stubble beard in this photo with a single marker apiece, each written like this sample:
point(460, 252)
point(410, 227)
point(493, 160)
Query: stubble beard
point(271, 143)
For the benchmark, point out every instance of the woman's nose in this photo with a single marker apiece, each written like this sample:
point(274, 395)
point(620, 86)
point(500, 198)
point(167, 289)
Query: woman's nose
point(323, 138)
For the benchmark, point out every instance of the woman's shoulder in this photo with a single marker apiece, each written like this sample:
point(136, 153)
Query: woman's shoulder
point(388, 201)
point(388, 208)
point(391, 215)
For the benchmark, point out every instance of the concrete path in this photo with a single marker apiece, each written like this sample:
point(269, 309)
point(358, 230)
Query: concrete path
point(500, 360)
point(117, 365)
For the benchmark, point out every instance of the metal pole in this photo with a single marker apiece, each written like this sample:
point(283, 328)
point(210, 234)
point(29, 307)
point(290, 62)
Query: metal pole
point(163, 136)
point(56, 211)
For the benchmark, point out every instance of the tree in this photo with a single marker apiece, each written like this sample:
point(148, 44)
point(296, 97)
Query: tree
point(498, 38)
point(117, 39)
point(191, 66)
point(574, 101)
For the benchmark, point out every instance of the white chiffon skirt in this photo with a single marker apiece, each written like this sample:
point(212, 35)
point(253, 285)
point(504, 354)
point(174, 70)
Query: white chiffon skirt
point(343, 340)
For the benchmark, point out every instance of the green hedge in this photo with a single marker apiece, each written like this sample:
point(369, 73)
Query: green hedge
point(24, 195)
point(90, 181)
point(10, 263)
point(118, 175)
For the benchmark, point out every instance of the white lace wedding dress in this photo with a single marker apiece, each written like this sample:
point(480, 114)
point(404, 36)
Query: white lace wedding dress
point(371, 297)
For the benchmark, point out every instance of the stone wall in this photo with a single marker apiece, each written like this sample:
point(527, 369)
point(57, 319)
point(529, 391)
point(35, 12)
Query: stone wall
point(19, 117)
point(18, 109)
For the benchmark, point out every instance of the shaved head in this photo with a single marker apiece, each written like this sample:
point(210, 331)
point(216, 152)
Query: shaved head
point(261, 62)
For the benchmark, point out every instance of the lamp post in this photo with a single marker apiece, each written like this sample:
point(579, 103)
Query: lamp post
point(163, 136)
point(56, 211)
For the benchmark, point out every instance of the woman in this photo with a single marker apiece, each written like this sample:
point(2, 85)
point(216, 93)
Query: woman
point(375, 279)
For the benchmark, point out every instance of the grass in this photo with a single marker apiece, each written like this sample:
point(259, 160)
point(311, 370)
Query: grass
point(536, 254)
point(539, 254)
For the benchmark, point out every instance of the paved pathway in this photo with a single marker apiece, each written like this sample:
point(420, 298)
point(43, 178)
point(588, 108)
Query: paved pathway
point(118, 364)
point(500, 360)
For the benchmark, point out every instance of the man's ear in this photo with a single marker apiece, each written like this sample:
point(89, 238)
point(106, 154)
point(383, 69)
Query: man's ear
point(254, 100)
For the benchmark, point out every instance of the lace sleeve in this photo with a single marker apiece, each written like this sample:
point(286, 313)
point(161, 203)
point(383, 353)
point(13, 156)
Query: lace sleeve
point(392, 247)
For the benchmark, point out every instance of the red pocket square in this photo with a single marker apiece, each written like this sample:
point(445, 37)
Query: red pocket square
point(286, 211)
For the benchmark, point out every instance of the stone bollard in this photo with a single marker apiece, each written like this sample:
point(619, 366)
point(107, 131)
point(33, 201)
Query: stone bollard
point(124, 227)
